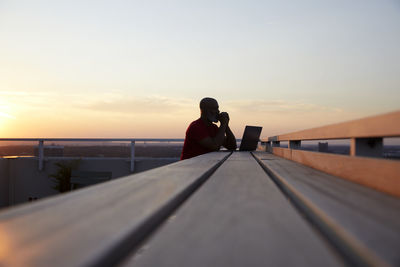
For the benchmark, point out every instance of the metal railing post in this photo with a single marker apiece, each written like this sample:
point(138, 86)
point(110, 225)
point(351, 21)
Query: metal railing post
point(41, 154)
point(132, 156)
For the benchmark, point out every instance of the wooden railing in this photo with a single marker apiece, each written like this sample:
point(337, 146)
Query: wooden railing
point(363, 165)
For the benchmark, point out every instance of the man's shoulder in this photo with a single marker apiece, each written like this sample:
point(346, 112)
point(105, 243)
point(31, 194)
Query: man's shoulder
point(200, 124)
point(196, 123)
point(194, 126)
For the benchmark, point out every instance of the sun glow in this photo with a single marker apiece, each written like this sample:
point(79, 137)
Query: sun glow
point(6, 115)
point(5, 109)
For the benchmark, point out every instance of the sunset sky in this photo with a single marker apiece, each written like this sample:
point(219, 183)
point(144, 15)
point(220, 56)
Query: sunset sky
point(139, 68)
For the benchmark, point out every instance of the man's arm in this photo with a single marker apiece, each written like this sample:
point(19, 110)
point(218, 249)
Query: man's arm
point(214, 143)
point(230, 140)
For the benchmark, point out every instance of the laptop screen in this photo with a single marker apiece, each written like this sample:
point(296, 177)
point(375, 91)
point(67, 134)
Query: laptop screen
point(250, 139)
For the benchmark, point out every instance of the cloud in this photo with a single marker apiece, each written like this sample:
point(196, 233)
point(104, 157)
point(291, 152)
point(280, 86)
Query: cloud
point(276, 106)
point(145, 105)
point(116, 104)
point(30, 100)
point(167, 105)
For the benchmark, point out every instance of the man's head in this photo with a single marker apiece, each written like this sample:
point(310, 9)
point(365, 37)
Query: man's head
point(209, 109)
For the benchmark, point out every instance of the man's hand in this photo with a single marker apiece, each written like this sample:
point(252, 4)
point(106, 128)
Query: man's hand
point(214, 143)
point(224, 118)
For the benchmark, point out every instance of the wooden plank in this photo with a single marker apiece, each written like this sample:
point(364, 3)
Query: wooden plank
point(282, 152)
point(237, 218)
point(386, 125)
point(380, 174)
point(97, 225)
point(364, 220)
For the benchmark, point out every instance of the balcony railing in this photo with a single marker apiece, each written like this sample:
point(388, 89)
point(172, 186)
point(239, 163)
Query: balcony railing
point(41, 141)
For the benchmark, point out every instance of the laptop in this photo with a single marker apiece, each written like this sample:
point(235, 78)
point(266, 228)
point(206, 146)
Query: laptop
point(250, 139)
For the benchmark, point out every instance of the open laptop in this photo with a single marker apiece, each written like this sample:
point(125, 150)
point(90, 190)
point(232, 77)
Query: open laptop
point(250, 139)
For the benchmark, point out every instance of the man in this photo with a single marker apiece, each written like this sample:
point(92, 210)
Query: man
point(203, 136)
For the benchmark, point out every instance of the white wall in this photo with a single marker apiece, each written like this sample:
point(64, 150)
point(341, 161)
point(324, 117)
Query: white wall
point(21, 179)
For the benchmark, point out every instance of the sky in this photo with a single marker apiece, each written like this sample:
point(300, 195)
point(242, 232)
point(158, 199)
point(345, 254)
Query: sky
point(138, 69)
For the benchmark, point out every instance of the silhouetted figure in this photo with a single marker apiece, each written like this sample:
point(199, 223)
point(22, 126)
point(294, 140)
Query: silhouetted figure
point(203, 136)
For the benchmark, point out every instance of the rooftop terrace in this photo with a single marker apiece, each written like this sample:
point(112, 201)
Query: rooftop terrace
point(279, 207)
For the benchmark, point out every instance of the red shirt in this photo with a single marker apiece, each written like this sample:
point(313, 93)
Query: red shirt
point(197, 130)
